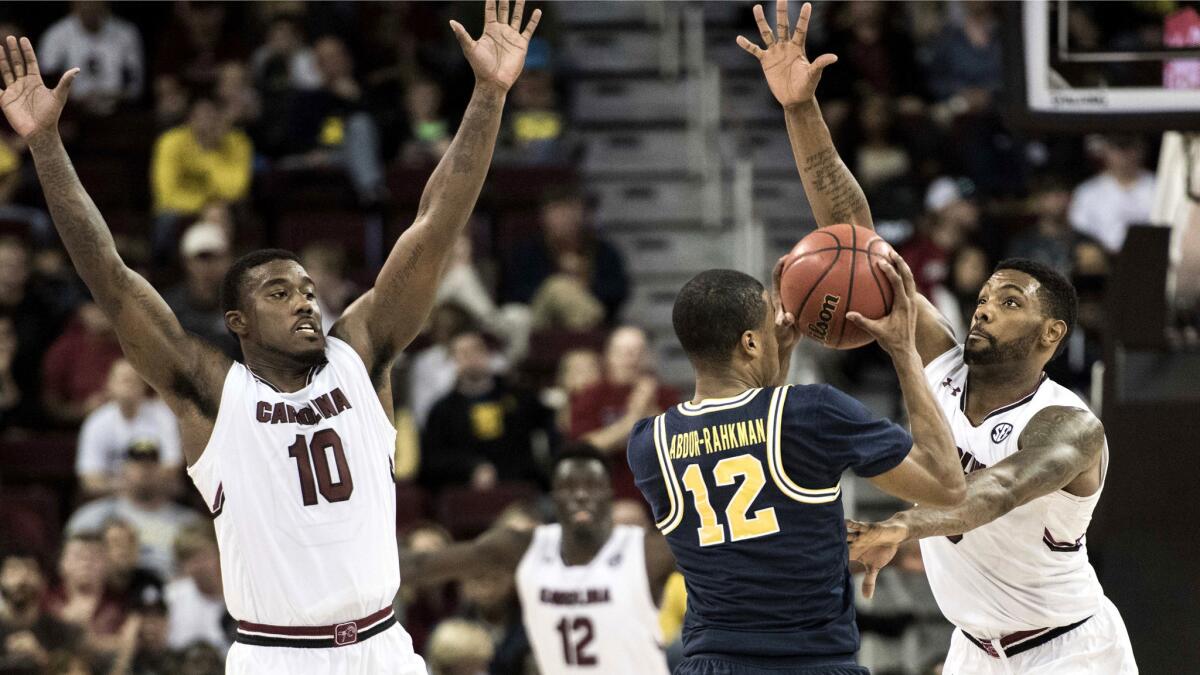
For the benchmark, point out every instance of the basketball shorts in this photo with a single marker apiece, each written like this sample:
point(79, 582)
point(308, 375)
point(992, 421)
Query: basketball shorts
point(1099, 646)
point(715, 664)
point(388, 653)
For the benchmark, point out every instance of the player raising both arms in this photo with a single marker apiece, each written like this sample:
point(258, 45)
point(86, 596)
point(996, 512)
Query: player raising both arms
point(587, 587)
point(1008, 565)
point(745, 479)
point(292, 449)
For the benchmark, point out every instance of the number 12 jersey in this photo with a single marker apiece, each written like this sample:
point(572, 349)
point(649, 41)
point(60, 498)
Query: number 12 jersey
point(300, 486)
point(747, 491)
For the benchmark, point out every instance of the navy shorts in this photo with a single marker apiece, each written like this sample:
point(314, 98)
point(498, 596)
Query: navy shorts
point(716, 664)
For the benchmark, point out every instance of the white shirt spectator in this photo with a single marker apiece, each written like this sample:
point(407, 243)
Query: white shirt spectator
point(106, 434)
point(156, 528)
point(1104, 209)
point(194, 616)
point(110, 59)
point(431, 377)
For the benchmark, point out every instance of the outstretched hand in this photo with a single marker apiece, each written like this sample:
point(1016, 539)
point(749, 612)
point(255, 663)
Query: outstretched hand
point(790, 75)
point(787, 330)
point(498, 56)
point(31, 108)
point(874, 545)
point(896, 332)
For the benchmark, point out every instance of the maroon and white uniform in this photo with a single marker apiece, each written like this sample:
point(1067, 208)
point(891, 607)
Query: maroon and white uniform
point(300, 485)
point(1020, 588)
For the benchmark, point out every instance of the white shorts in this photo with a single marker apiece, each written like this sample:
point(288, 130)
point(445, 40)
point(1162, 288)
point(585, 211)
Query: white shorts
point(388, 653)
point(1098, 647)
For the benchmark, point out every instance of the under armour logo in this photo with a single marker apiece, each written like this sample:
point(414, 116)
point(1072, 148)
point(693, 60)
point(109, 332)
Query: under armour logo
point(1001, 432)
point(345, 634)
point(948, 384)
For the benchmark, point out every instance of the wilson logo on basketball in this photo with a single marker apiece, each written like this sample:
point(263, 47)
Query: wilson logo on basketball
point(820, 328)
point(1001, 432)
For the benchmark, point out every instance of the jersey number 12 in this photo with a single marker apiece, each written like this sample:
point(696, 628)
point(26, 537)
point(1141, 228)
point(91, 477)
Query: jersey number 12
point(741, 525)
point(575, 648)
point(312, 462)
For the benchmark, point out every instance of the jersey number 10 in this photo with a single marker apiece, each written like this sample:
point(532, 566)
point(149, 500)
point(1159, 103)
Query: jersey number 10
point(741, 526)
point(312, 459)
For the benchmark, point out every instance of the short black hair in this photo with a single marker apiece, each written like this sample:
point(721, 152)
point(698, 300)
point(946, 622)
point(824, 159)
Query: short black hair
point(231, 285)
point(1057, 293)
point(579, 451)
point(713, 310)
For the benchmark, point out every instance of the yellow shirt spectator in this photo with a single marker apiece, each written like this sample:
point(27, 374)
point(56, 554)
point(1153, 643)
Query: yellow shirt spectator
point(200, 162)
point(674, 606)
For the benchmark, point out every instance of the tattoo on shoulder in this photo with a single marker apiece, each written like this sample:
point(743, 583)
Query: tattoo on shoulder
point(1068, 425)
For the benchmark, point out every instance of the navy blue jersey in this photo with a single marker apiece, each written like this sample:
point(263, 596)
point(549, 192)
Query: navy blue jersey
point(747, 491)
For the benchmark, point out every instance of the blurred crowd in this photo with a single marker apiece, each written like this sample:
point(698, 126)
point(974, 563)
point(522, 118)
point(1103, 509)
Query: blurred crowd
point(201, 128)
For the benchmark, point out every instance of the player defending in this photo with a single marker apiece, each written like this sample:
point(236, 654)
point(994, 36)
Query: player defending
point(745, 479)
point(292, 450)
point(1008, 565)
point(587, 588)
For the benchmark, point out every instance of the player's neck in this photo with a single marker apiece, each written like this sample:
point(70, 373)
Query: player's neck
point(286, 377)
point(579, 549)
point(992, 387)
point(722, 385)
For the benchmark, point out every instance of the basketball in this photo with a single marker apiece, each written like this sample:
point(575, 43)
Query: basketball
point(833, 271)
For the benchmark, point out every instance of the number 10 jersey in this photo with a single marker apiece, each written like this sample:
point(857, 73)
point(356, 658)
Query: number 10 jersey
point(300, 486)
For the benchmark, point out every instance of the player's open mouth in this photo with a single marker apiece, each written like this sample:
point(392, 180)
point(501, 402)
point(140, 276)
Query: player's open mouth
point(582, 516)
point(305, 327)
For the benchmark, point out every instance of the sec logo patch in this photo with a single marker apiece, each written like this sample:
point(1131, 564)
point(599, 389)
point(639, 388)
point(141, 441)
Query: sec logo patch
point(1001, 432)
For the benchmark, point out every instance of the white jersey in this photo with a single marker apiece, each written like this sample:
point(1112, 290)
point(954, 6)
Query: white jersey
point(591, 618)
point(300, 485)
point(1029, 568)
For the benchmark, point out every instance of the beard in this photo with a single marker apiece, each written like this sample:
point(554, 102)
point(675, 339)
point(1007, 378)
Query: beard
point(994, 352)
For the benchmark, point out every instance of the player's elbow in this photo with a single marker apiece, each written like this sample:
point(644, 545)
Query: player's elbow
point(952, 493)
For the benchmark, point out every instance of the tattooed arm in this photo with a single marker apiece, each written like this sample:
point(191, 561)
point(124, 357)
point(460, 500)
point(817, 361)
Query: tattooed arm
point(1060, 448)
point(385, 319)
point(187, 373)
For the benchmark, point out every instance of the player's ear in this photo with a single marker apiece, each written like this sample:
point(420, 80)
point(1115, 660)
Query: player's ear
point(1054, 332)
point(750, 343)
point(236, 322)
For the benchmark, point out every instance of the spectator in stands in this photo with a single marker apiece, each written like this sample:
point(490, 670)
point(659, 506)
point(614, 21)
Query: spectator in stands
point(428, 130)
point(10, 392)
point(462, 284)
point(35, 317)
point(130, 415)
point(604, 413)
point(875, 56)
point(82, 598)
point(285, 61)
point(432, 373)
point(535, 124)
point(201, 658)
point(566, 245)
point(127, 578)
point(578, 369)
point(957, 298)
point(75, 372)
point(195, 599)
point(201, 37)
point(196, 301)
point(194, 164)
point(1049, 239)
point(143, 648)
point(326, 264)
point(426, 606)
point(1104, 206)
point(951, 217)
point(485, 430)
point(330, 126)
point(964, 61)
point(491, 600)
point(36, 222)
point(237, 99)
point(28, 635)
point(460, 647)
point(170, 101)
point(142, 501)
point(106, 47)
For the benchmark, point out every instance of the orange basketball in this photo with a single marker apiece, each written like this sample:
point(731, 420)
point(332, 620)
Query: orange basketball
point(833, 271)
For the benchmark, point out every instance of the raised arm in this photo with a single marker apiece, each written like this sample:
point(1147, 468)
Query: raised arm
point(187, 373)
point(1060, 448)
point(385, 319)
point(498, 549)
point(931, 473)
point(833, 193)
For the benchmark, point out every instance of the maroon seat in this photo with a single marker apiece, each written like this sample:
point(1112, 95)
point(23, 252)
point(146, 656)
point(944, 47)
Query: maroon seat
point(412, 505)
point(546, 348)
point(45, 457)
point(29, 516)
point(466, 512)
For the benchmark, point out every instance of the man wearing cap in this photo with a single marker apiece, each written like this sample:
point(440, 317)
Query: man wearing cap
point(142, 501)
point(205, 253)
